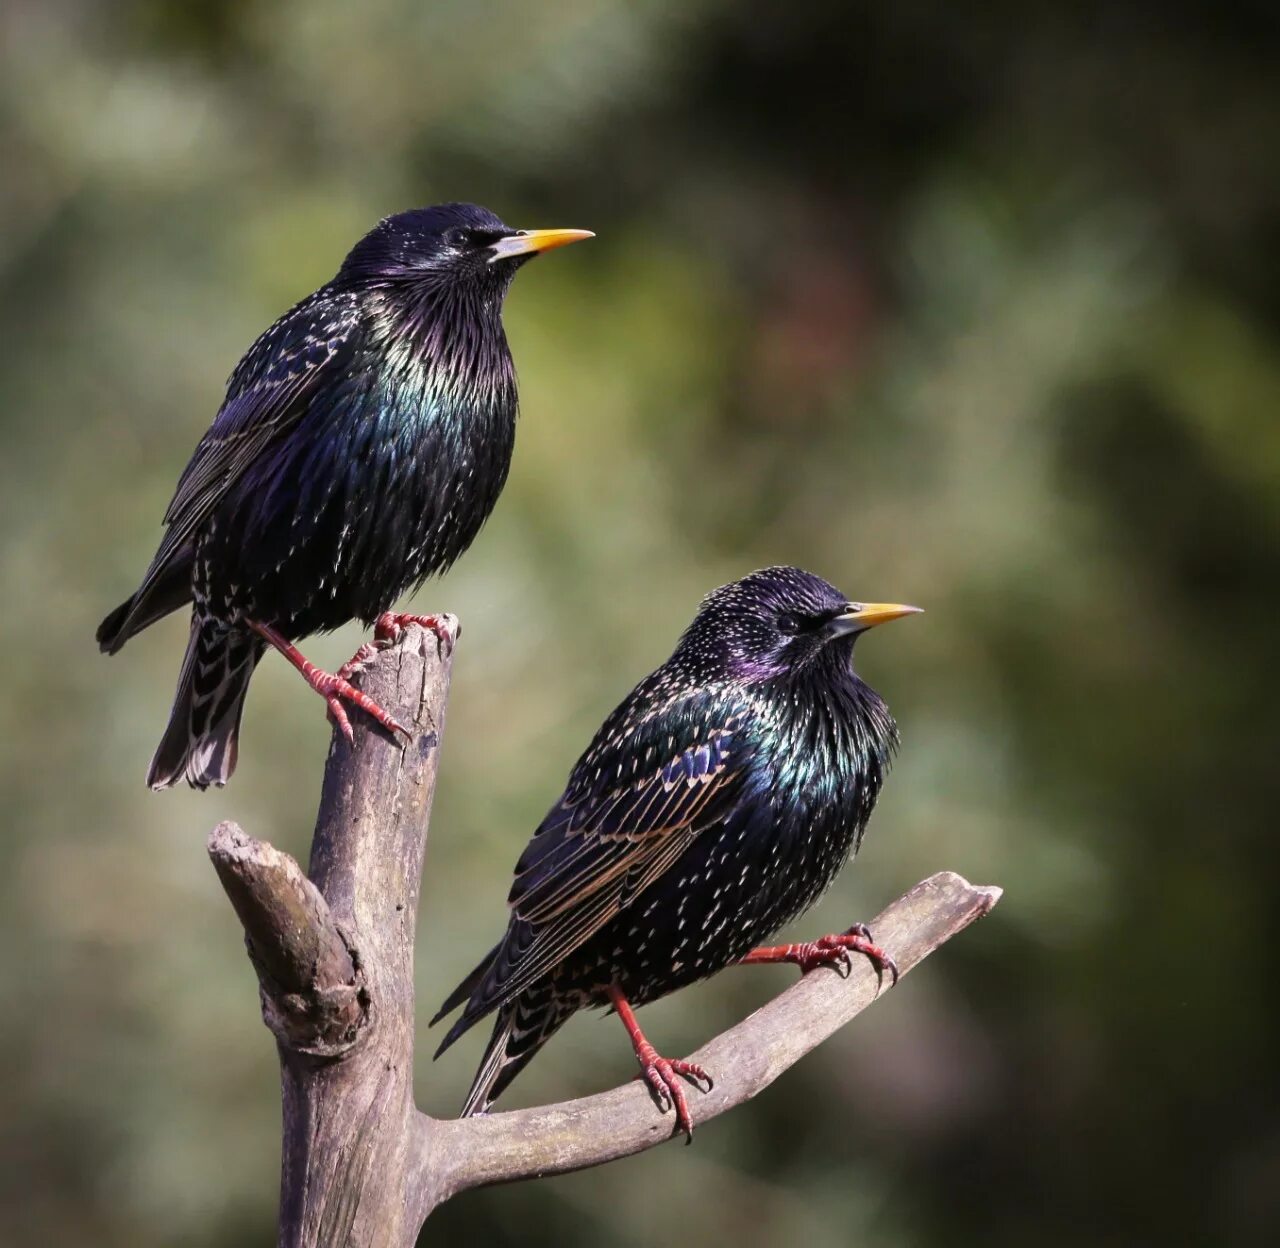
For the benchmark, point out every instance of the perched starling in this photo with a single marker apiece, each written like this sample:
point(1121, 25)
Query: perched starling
point(716, 803)
point(362, 444)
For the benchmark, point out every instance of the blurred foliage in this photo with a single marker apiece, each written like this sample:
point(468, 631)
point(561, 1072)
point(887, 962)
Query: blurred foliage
point(971, 308)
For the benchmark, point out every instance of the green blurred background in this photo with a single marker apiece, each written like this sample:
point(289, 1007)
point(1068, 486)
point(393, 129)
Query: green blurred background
point(977, 310)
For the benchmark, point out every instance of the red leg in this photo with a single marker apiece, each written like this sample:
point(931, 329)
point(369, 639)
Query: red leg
point(390, 624)
point(832, 951)
point(662, 1074)
point(333, 688)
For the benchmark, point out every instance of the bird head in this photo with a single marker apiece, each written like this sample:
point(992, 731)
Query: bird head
point(448, 244)
point(780, 621)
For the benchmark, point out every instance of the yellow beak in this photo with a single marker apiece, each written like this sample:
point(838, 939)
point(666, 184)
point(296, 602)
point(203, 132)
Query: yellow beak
point(861, 615)
point(530, 242)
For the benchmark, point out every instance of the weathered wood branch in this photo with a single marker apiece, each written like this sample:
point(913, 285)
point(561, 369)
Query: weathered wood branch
point(312, 995)
point(351, 1170)
point(553, 1139)
point(361, 1164)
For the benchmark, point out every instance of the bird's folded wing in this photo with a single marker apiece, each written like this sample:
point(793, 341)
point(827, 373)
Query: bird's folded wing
point(604, 843)
point(266, 395)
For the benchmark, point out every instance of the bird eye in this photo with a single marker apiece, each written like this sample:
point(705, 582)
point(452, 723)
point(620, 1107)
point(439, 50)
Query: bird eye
point(790, 623)
point(457, 236)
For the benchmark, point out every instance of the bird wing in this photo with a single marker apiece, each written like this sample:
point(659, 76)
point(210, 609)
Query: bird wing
point(266, 395)
point(633, 805)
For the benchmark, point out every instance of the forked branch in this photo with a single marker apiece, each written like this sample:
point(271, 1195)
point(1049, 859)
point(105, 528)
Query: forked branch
point(553, 1139)
point(334, 956)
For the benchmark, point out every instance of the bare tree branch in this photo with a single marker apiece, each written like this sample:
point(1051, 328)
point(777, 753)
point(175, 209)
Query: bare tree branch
point(350, 1171)
point(744, 1060)
point(312, 996)
point(334, 952)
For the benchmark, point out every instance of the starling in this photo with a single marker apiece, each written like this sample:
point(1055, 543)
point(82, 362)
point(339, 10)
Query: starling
point(716, 803)
point(363, 441)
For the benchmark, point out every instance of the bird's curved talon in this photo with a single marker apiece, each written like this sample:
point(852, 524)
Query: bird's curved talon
point(335, 689)
point(656, 1086)
point(858, 938)
point(447, 629)
point(338, 718)
point(816, 953)
point(699, 1075)
point(664, 1075)
point(831, 951)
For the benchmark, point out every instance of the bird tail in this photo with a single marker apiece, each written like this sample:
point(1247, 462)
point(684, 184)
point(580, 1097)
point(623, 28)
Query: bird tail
point(199, 745)
point(522, 1027)
point(462, 992)
point(160, 594)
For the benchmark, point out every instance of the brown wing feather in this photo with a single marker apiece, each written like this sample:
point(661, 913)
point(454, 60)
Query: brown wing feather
point(600, 847)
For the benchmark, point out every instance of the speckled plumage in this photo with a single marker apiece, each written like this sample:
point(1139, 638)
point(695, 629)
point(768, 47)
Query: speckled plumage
point(715, 804)
point(363, 442)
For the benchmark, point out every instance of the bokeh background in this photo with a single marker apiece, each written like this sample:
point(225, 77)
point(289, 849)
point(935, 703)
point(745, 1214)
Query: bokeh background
point(971, 308)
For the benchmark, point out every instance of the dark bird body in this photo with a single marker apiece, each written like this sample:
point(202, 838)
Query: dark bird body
point(363, 442)
point(716, 803)
point(385, 480)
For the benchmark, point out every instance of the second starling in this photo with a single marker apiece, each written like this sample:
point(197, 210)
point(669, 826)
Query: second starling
point(716, 803)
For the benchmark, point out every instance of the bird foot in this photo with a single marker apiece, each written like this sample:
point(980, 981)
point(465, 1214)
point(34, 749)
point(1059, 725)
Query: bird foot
point(663, 1075)
point(387, 630)
point(832, 951)
point(333, 687)
point(390, 624)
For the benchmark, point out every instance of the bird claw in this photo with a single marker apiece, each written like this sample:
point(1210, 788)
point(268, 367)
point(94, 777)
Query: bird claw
point(386, 632)
point(338, 718)
point(447, 629)
point(335, 688)
point(831, 951)
point(817, 953)
point(663, 1075)
point(858, 939)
